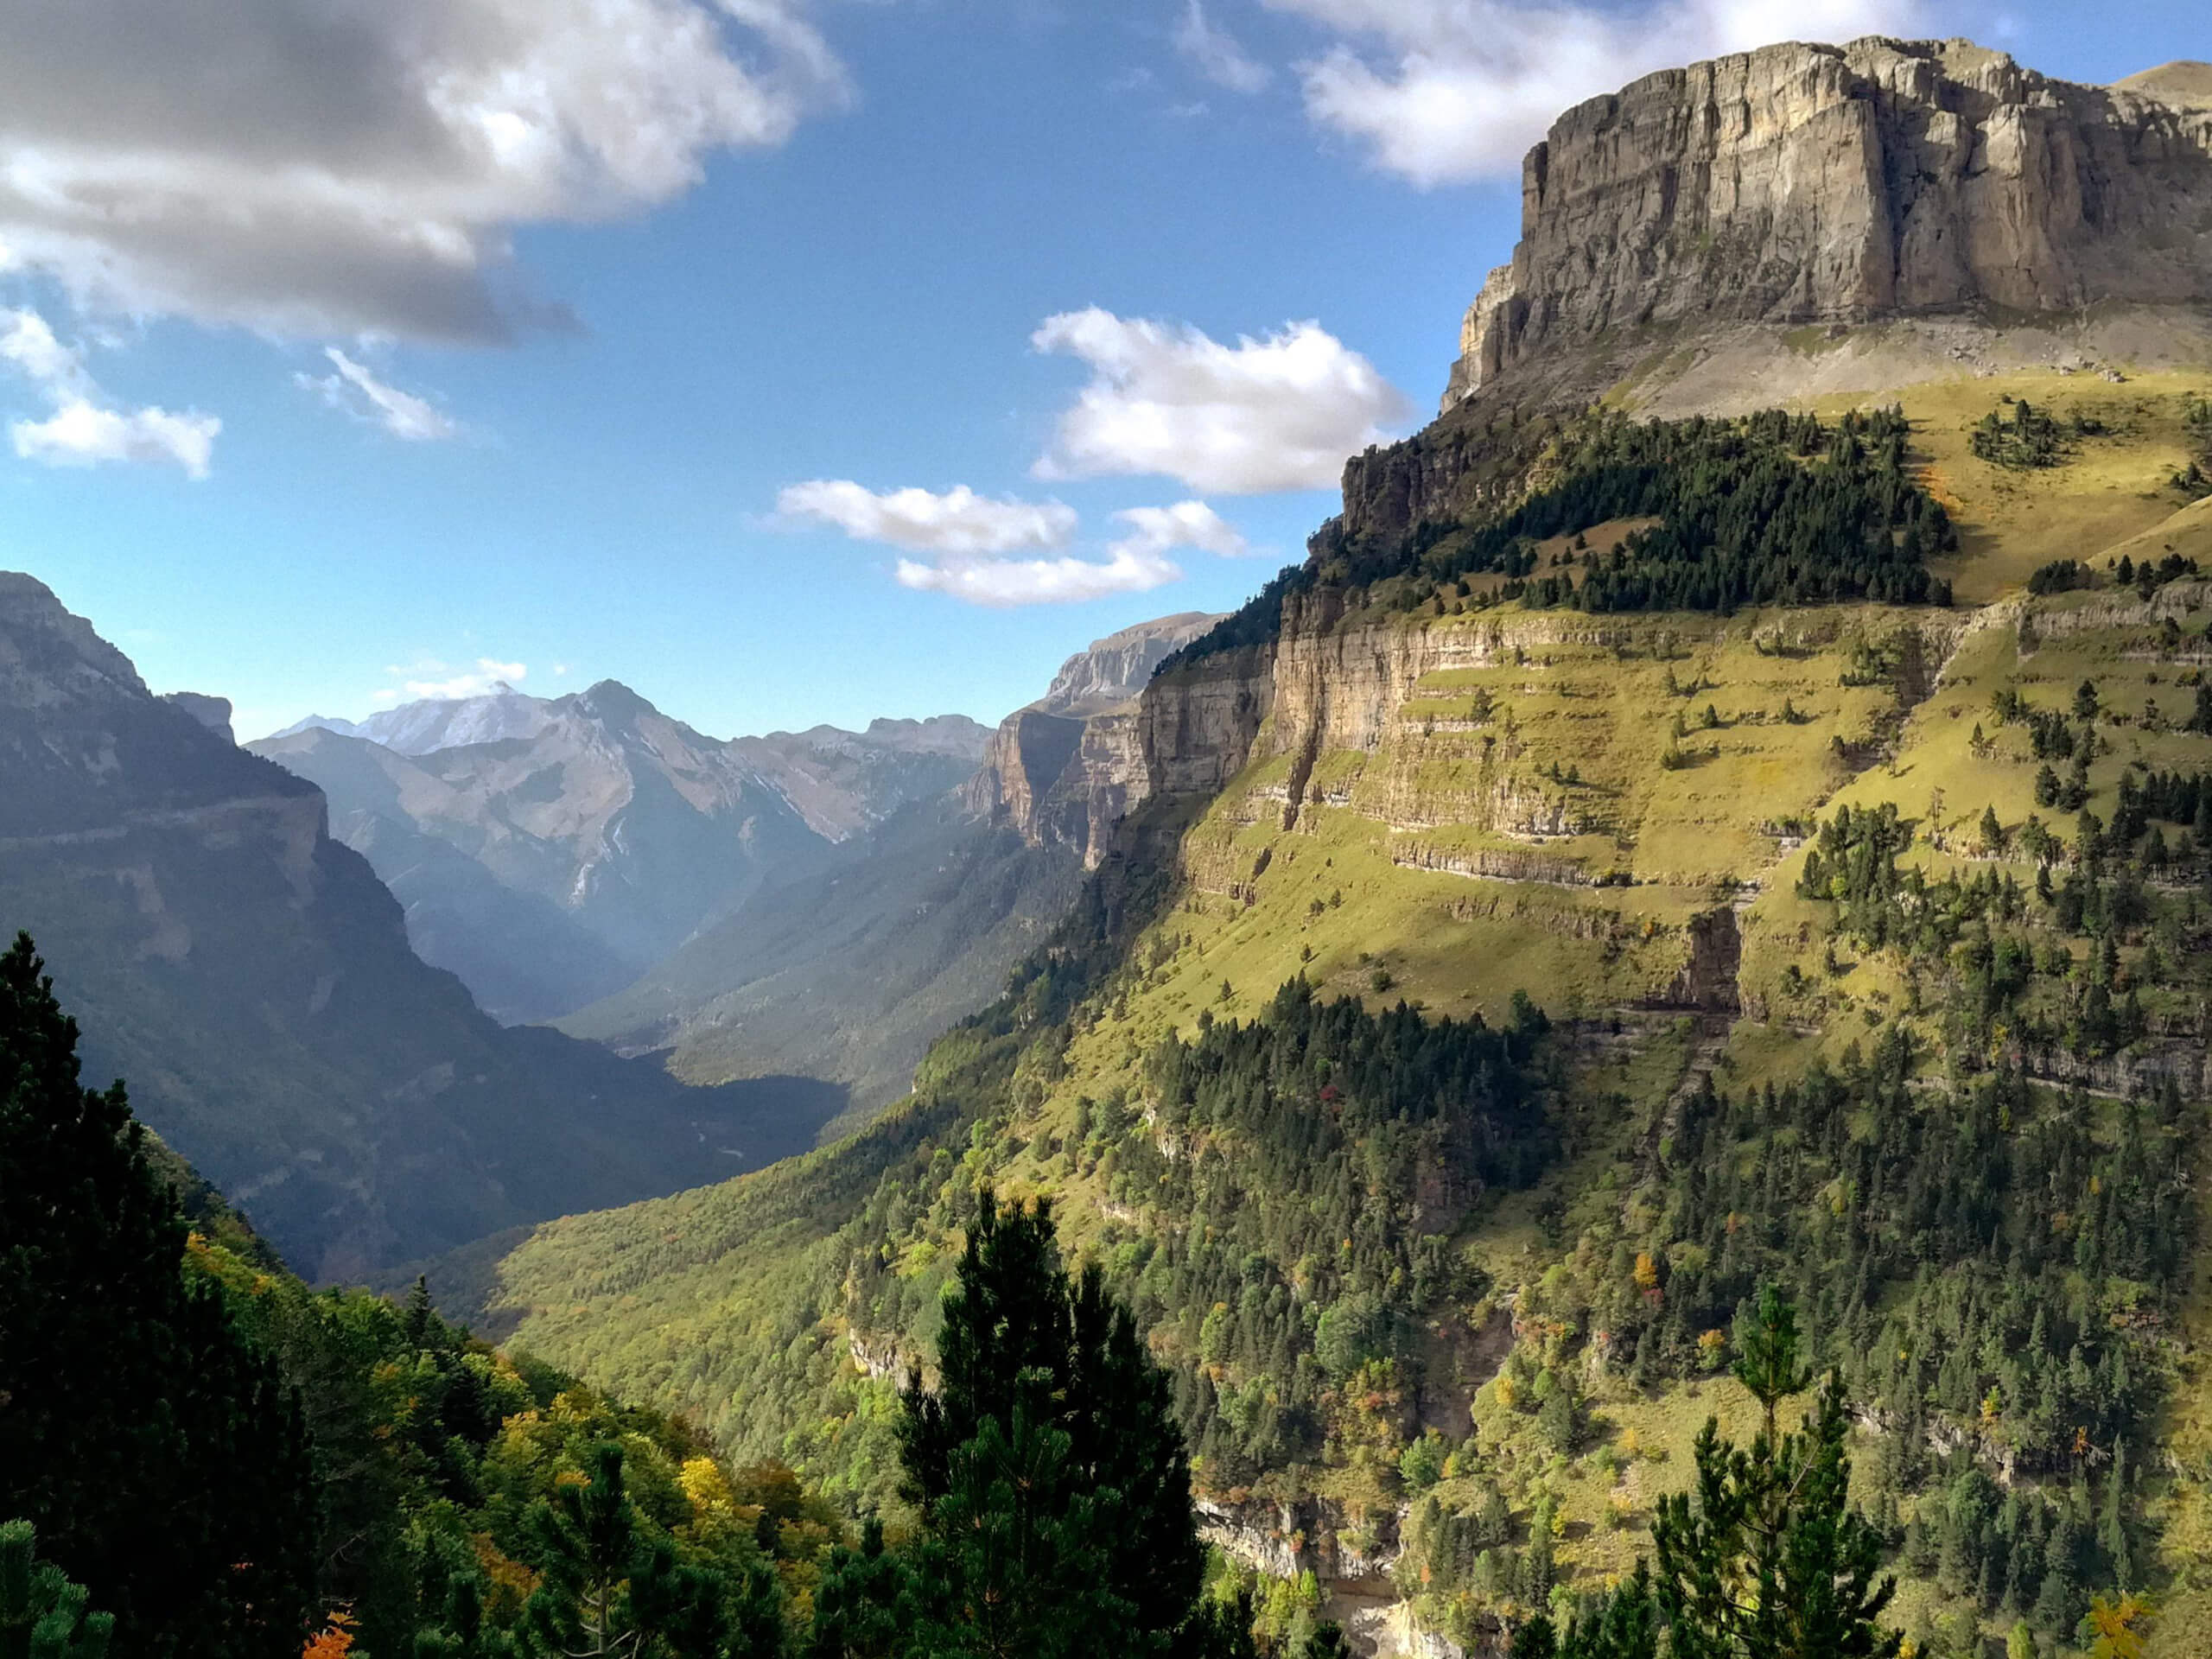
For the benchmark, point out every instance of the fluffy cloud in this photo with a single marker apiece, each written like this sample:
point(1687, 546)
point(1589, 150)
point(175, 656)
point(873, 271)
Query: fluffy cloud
point(1441, 91)
point(84, 431)
point(1134, 565)
point(1215, 53)
point(359, 166)
point(1187, 523)
point(957, 522)
point(489, 675)
point(1281, 413)
point(359, 393)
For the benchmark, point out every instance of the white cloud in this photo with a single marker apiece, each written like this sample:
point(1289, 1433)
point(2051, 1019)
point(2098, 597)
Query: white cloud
point(357, 391)
point(79, 434)
point(1281, 413)
point(487, 677)
point(83, 430)
point(345, 167)
point(28, 341)
point(957, 522)
point(1217, 54)
point(1187, 523)
point(1134, 565)
point(1443, 91)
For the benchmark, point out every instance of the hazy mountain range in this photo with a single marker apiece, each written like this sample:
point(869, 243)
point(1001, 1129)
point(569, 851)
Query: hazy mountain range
point(550, 850)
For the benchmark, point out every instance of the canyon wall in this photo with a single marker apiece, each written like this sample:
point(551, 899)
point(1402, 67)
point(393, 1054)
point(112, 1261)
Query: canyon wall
point(1802, 183)
point(1064, 770)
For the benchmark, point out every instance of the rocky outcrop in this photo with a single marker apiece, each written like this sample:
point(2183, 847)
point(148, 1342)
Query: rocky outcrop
point(1708, 982)
point(1802, 183)
point(1308, 1534)
point(213, 713)
point(1112, 670)
point(1066, 768)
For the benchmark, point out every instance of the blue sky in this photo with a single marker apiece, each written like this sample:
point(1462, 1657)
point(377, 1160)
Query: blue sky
point(658, 338)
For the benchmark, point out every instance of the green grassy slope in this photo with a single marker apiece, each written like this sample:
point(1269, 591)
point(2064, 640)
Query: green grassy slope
point(1556, 816)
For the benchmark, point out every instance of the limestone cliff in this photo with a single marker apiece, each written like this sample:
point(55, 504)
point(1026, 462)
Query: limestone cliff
point(1064, 770)
point(1802, 183)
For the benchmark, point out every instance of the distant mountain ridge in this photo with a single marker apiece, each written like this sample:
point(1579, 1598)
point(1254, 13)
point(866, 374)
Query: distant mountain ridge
point(431, 723)
point(252, 980)
point(551, 850)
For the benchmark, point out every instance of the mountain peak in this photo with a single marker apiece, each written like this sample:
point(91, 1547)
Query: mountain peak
point(1115, 669)
point(614, 703)
point(50, 655)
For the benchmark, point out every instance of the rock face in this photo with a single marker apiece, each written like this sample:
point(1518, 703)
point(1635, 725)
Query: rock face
point(1807, 183)
point(1115, 669)
point(213, 713)
point(1064, 770)
point(252, 980)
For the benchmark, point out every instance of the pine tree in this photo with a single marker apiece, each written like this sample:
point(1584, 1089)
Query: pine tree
point(864, 1601)
point(1767, 1560)
point(1624, 1625)
point(1768, 1365)
point(609, 1588)
point(158, 1453)
point(1041, 1373)
point(42, 1615)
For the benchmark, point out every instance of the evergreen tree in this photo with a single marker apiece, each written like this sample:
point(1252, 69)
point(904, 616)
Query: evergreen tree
point(864, 1601)
point(1768, 1365)
point(1624, 1625)
point(156, 1451)
point(1018, 1563)
point(42, 1614)
point(1767, 1560)
point(1050, 1441)
point(608, 1587)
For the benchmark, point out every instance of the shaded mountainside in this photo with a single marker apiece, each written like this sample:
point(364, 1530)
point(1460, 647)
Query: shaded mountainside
point(849, 970)
point(253, 979)
point(521, 955)
point(551, 851)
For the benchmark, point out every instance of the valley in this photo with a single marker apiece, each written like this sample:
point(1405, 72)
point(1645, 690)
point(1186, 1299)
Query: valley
point(1666, 963)
point(1403, 788)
